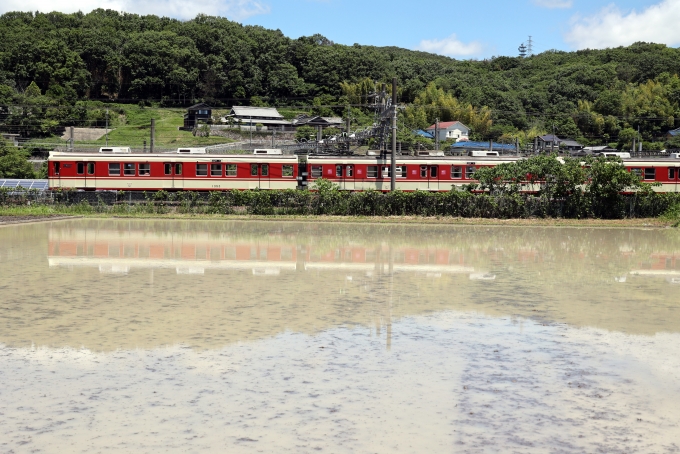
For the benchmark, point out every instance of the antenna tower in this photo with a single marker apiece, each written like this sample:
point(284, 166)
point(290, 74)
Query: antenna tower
point(522, 50)
point(530, 46)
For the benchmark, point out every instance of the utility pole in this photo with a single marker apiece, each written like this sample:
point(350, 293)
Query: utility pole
point(250, 126)
point(347, 131)
point(153, 135)
point(552, 142)
point(71, 139)
point(633, 147)
point(639, 140)
point(107, 126)
point(436, 134)
point(393, 161)
point(273, 136)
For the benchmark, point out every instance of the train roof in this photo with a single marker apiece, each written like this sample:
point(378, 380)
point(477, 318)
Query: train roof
point(168, 157)
point(346, 159)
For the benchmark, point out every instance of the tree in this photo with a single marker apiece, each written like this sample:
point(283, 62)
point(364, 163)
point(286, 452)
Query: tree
point(305, 132)
point(607, 179)
point(14, 163)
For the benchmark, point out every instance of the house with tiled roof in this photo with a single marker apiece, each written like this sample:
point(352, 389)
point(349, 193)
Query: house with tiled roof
point(249, 116)
point(673, 133)
point(450, 130)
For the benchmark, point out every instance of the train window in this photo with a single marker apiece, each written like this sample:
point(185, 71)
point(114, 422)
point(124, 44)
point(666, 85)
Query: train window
point(401, 172)
point(231, 170)
point(201, 170)
point(145, 169)
point(456, 172)
point(386, 172)
point(650, 173)
point(469, 171)
point(637, 171)
point(90, 168)
point(287, 171)
point(168, 168)
point(178, 169)
point(215, 170)
point(433, 172)
point(265, 170)
point(671, 174)
point(253, 170)
point(423, 171)
point(114, 169)
point(372, 172)
point(317, 171)
point(57, 166)
point(128, 169)
point(80, 168)
point(338, 171)
point(349, 171)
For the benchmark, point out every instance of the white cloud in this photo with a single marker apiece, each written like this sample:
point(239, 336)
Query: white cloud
point(611, 27)
point(180, 9)
point(451, 46)
point(554, 3)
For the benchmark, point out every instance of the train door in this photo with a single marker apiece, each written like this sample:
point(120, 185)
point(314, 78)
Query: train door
point(265, 172)
point(340, 175)
point(178, 175)
point(674, 178)
point(90, 177)
point(259, 174)
point(302, 173)
point(172, 175)
point(349, 177)
point(433, 177)
point(423, 182)
point(56, 177)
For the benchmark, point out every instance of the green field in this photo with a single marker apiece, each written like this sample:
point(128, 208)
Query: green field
point(134, 127)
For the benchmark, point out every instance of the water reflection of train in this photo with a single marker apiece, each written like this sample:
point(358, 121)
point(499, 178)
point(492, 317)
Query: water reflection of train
point(662, 265)
point(113, 252)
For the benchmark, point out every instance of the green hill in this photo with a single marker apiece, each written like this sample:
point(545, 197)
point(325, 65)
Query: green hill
point(598, 96)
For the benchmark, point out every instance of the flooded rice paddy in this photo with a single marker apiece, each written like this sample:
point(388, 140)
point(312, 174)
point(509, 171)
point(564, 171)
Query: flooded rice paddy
point(192, 336)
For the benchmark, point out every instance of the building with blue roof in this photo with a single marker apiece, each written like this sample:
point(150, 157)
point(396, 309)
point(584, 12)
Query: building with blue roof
point(422, 133)
point(674, 133)
point(470, 145)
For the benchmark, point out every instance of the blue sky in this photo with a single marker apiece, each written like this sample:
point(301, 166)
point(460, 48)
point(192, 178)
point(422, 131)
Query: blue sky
point(474, 29)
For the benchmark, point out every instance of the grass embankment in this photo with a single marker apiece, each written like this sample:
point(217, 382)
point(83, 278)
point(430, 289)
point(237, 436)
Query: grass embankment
point(133, 127)
point(138, 212)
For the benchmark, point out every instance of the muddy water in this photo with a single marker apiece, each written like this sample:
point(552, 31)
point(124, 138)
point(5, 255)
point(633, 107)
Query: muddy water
point(145, 336)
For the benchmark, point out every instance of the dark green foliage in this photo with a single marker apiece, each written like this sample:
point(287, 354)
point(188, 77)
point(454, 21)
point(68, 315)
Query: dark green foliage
point(14, 163)
point(54, 59)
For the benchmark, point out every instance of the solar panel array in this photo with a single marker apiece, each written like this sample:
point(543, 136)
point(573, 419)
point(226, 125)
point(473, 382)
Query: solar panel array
point(27, 184)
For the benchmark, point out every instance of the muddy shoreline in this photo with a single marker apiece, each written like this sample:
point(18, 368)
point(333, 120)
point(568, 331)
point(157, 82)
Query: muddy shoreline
point(6, 219)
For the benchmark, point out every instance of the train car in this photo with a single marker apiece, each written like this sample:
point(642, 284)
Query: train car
point(170, 172)
point(664, 171)
point(412, 173)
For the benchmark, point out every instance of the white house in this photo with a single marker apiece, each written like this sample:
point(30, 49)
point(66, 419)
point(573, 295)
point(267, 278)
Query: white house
point(450, 130)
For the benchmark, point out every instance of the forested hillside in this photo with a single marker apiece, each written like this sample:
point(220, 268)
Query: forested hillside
point(71, 60)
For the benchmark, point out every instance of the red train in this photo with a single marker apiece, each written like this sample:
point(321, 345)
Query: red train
point(268, 169)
